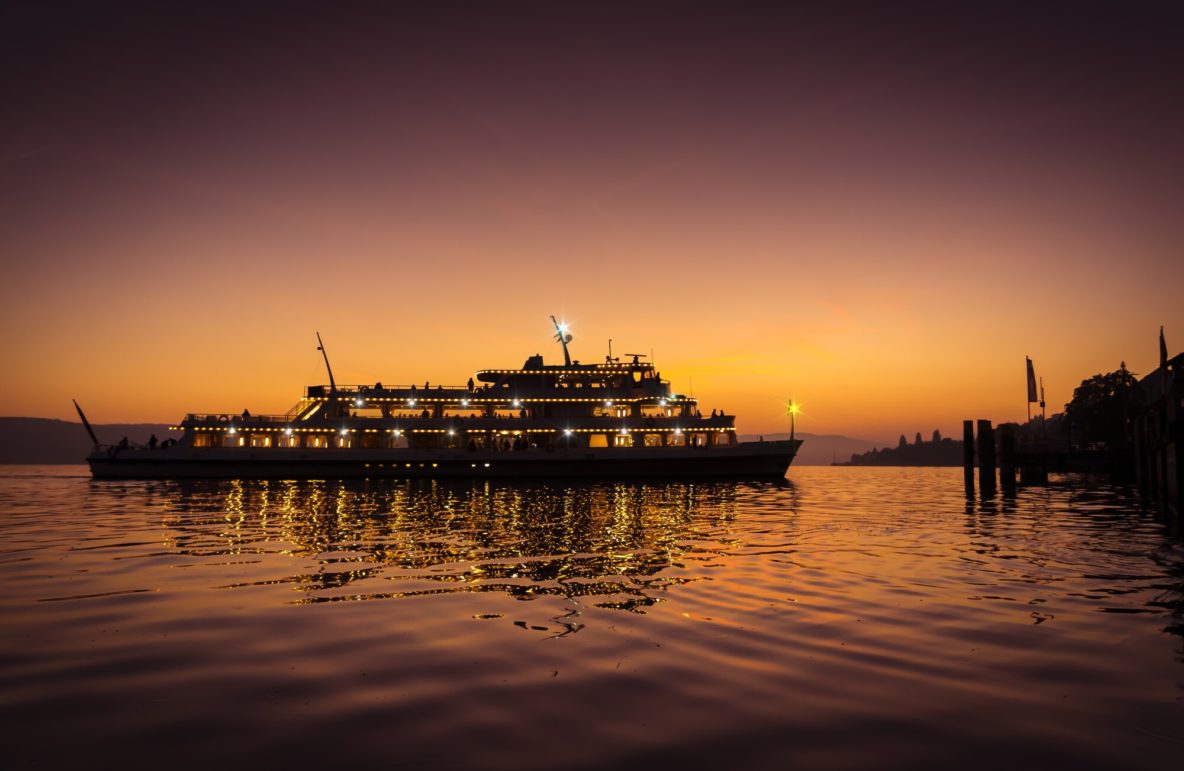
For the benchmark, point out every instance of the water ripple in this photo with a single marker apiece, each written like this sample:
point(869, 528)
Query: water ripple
point(591, 625)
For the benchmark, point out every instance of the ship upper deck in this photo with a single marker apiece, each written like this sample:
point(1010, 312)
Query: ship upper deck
point(536, 396)
point(612, 373)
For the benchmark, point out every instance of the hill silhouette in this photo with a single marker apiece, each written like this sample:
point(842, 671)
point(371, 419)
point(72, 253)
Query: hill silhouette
point(819, 449)
point(49, 441)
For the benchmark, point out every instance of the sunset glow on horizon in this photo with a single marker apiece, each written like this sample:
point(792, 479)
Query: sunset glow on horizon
point(877, 218)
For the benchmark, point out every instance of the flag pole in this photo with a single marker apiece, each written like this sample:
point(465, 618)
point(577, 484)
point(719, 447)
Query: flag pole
point(1043, 415)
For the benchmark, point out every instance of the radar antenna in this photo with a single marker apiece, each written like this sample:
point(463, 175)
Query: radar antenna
point(321, 348)
point(563, 337)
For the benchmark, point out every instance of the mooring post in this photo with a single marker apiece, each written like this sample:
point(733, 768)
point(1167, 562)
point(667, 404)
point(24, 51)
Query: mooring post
point(968, 455)
point(1007, 459)
point(986, 458)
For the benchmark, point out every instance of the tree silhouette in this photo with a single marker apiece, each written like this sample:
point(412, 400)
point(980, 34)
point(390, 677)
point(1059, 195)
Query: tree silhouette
point(1102, 407)
point(936, 435)
point(917, 440)
point(903, 442)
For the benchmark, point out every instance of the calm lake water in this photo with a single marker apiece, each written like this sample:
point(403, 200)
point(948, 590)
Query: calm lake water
point(849, 618)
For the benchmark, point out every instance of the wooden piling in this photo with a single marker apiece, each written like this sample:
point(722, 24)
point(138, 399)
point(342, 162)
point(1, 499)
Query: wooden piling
point(1007, 459)
point(968, 455)
point(986, 458)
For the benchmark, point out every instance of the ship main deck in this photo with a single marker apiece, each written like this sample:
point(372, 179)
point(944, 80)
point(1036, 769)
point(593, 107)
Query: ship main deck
point(745, 460)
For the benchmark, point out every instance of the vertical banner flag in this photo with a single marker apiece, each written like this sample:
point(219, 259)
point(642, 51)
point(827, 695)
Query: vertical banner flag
point(1032, 397)
point(1163, 365)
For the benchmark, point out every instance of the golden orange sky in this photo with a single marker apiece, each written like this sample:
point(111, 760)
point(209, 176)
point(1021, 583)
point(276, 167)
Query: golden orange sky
point(885, 243)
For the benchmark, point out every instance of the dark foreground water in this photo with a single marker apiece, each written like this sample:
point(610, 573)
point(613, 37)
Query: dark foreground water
point(850, 618)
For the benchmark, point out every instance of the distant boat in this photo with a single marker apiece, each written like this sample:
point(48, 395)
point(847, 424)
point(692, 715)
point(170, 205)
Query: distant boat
point(609, 419)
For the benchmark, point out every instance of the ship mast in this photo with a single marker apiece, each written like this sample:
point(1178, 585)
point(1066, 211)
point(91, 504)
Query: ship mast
point(564, 337)
point(321, 348)
point(86, 423)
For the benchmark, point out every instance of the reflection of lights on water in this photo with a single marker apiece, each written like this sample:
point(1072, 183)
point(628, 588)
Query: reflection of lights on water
point(630, 534)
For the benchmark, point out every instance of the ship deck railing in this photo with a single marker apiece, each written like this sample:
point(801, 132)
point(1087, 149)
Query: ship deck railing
point(504, 392)
point(238, 420)
point(465, 422)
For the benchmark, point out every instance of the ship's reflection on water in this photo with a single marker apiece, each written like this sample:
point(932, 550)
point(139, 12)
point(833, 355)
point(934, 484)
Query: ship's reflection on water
point(610, 545)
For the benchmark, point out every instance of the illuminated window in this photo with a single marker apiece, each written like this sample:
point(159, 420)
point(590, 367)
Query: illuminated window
point(232, 440)
point(622, 440)
point(653, 440)
point(290, 441)
point(201, 440)
point(344, 442)
point(597, 440)
point(260, 440)
point(316, 440)
point(677, 440)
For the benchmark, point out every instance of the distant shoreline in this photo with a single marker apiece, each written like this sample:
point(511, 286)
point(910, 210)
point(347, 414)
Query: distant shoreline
point(54, 442)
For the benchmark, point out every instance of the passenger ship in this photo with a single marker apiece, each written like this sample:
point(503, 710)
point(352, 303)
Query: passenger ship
point(612, 419)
